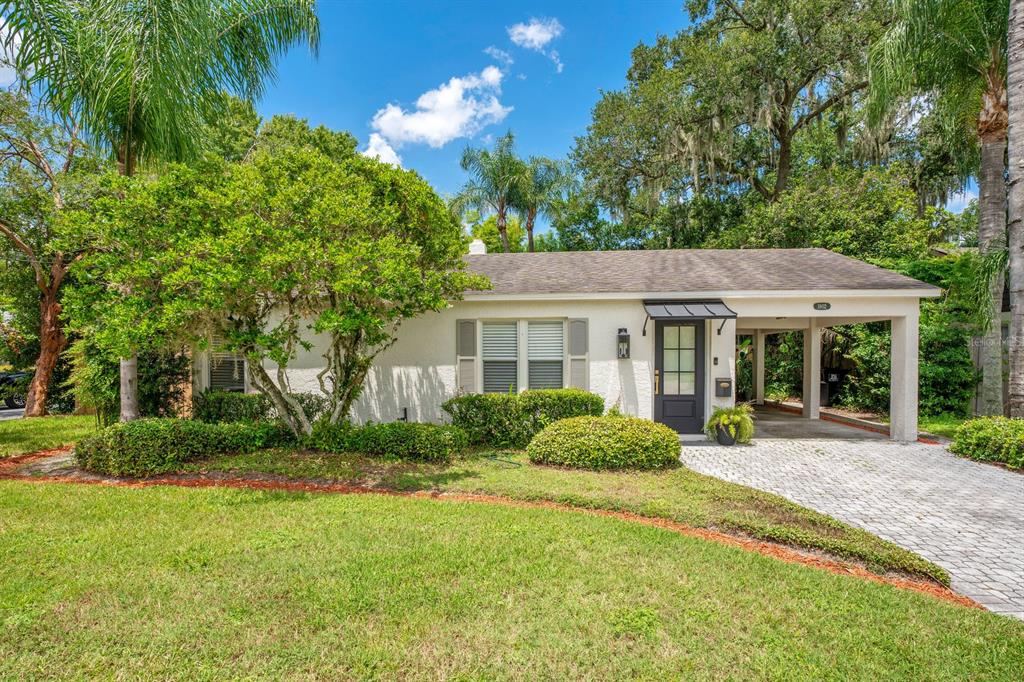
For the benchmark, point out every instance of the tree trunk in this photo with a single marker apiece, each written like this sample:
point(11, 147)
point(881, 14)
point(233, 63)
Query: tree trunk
point(130, 365)
point(1015, 199)
point(531, 217)
point(784, 166)
point(52, 342)
point(130, 388)
point(992, 237)
point(503, 231)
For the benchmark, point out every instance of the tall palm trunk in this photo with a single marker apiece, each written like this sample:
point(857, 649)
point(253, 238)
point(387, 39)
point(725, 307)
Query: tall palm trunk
point(503, 228)
point(1015, 196)
point(129, 366)
point(992, 235)
point(531, 218)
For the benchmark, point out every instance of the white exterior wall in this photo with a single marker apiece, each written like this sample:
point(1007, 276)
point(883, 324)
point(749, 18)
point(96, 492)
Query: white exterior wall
point(418, 371)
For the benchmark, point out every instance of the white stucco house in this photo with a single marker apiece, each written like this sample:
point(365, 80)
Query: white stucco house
point(652, 332)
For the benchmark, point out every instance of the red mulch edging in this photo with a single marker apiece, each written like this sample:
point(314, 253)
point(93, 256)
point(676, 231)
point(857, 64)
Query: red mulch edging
point(8, 472)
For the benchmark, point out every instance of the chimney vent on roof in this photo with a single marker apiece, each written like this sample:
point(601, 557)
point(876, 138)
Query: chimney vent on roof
point(477, 247)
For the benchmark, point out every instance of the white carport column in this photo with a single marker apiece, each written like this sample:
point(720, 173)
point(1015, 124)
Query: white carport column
point(812, 370)
point(903, 379)
point(759, 345)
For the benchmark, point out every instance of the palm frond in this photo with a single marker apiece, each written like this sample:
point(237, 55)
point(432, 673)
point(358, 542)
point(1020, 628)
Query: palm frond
point(142, 79)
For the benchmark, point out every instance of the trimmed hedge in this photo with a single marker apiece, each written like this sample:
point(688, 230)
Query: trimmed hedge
point(147, 447)
point(402, 440)
point(991, 439)
point(511, 420)
point(225, 407)
point(609, 442)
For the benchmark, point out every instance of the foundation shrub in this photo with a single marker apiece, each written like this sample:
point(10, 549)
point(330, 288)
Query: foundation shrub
point(147, 447)
point(401, 440)
point(512, 420)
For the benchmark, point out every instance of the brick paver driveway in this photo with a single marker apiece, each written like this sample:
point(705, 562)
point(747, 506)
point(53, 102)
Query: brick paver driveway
point(964, 516)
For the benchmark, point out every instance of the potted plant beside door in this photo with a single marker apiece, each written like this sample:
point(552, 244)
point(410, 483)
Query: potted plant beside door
point(730, 425)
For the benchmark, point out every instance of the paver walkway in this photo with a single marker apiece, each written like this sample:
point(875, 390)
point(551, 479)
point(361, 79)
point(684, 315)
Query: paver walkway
point(964, 516)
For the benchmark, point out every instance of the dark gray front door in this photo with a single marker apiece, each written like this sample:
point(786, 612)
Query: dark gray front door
point(679, 375)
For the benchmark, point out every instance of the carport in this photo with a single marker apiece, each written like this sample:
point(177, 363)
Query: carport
point(813, 312)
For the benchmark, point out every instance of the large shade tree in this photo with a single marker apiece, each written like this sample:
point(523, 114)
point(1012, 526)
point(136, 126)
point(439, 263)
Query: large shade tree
point(717, 108)
point(46, 174)
point(266, 253)
point(954, 52)
point(143, 79)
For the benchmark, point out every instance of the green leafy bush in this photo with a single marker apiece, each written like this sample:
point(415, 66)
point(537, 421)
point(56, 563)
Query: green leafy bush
point(737, 420)
point(606, 443)
point(402, 440)
point(95, 378)
point(511, 420)
point(221, 407)
point(991, 439)
point(146, 447)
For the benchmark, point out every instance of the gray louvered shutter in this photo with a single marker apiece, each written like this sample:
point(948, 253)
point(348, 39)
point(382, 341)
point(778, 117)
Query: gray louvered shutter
point(465, 355)
point(579, 354)
point(500, 353)
point(545, 353)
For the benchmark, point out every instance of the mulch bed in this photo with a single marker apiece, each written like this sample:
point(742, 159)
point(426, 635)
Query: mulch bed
point(9, 471)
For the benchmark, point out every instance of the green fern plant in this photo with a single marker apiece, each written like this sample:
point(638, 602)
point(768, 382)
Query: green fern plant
point(738, 421)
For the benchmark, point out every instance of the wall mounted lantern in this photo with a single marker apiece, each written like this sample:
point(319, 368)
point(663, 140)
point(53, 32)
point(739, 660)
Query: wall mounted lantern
point(623, 349)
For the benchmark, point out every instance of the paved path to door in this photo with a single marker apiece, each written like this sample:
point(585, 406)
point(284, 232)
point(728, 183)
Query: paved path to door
point(964, 516)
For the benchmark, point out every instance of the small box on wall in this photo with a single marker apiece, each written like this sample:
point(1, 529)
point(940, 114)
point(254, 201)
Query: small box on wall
point(723, 387)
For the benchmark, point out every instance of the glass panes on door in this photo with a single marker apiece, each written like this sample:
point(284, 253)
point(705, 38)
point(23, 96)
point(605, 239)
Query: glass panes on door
point(500, 353)
point(678, 360)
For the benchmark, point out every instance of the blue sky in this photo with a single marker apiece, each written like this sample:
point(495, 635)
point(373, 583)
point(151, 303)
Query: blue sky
point(544, 70)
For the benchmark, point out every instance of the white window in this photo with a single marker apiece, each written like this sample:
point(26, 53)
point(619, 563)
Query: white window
point(227, 370)
point(500, 357)
point(545, 354)
point(517, 354)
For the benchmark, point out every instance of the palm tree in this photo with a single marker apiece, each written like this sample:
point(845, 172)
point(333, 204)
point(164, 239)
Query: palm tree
point(1015, 197)
point(954, 51)
point(539, 188)
point(143, 78)
point(496, 179)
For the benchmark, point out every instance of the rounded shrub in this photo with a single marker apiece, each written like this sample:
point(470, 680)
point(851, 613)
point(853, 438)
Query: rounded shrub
point(610, 442)
point(147, 447)
point(991, 439)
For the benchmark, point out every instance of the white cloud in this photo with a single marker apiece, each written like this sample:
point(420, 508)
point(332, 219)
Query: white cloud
point(958, 201)
point(499, 55)
point(378, 148)
point(7, 73)
point(535, 34)
point(459, 108)
point(557, 60)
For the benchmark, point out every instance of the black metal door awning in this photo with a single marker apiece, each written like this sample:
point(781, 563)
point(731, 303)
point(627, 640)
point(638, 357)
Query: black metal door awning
point(681, 311)
point(688, 310)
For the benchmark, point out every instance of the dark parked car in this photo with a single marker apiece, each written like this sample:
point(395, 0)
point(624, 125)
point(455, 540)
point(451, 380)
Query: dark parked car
point(13, 387)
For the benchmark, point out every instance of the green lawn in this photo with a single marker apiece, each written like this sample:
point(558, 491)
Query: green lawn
point(942, 425)
point(678, 494)
point(175, 583)
point(18, 436)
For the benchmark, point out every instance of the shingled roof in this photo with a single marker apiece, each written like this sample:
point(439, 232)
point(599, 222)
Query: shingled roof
point(685, 270)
